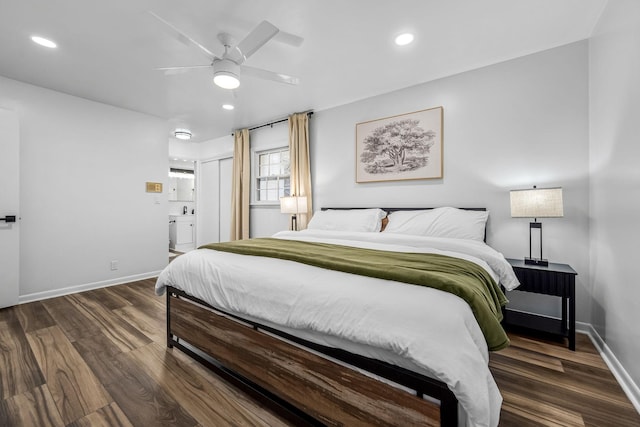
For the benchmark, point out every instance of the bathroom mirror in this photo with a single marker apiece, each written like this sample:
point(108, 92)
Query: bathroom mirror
point(181, 185)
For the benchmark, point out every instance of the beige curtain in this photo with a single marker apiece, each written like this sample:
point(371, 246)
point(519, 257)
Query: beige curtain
point(300, 166)
point(240, 186)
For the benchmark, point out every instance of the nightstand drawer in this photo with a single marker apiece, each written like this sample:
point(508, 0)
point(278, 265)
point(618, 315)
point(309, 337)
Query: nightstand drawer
point(544, 282)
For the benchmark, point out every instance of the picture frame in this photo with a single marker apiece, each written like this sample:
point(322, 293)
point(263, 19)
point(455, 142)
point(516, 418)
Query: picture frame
point(402, 147)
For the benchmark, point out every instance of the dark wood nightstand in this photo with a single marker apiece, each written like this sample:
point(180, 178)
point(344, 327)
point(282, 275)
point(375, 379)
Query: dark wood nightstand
point(555, 279)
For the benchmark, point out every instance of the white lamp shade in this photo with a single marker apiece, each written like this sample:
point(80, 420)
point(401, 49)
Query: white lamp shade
point(293, 204)
point(537, 203)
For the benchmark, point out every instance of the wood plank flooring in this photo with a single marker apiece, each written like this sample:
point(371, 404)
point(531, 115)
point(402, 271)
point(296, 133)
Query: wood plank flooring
point(99, 359)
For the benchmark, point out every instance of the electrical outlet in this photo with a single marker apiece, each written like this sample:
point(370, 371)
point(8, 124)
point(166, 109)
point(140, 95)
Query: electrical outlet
point(114, 265)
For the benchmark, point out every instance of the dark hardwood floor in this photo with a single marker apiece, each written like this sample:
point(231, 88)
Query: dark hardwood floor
point(99, 358)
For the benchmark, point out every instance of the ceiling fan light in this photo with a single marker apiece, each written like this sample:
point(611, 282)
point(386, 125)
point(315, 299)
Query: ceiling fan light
point(225, 73)
point(183, 134)
point(226, 80)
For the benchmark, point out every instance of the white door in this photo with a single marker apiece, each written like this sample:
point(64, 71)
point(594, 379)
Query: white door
point(214, 201)
point(208, 197)
point(9, 203)
point(184, 232)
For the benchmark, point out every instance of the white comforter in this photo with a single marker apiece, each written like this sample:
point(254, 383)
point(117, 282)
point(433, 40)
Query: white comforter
point(416, 327)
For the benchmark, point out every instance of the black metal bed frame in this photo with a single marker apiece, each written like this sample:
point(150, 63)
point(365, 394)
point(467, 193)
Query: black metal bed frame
point(423, 385)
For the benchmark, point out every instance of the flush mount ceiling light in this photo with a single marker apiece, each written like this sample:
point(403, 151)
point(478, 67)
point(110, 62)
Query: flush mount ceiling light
point(225, 73)
point(184, 134)
point(404, 39)
point(228, 107)
point(44, 42)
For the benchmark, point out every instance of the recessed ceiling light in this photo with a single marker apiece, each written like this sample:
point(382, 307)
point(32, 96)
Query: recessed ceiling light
point(184, 134)
point(404, 39)
point(44, 42)
point(228, 106)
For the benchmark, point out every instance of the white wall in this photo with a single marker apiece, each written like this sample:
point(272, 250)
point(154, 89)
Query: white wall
point(83, 168)
point(614, 69)
point(512, 125)
point(216, 148)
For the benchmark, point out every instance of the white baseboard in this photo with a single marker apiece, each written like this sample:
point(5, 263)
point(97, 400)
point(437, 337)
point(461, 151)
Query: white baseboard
point(629, 387)
point(38, 296)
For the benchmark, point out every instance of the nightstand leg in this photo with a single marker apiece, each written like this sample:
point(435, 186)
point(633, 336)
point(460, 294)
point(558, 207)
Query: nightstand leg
point(565, 301)
point(572, 318)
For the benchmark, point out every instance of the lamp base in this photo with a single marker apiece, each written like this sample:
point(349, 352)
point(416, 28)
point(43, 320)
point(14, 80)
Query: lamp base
point(536, 261)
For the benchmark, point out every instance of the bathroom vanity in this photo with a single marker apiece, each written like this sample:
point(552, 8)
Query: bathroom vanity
point(181, 232)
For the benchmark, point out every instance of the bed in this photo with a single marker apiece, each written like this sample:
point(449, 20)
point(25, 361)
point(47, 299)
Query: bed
point(350, 344)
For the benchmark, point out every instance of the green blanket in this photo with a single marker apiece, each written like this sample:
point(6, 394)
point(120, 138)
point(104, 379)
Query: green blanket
point(457, 276)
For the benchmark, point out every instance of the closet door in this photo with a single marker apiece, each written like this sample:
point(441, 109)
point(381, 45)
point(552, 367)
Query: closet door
point(208, 200)
point(226, 177)
point(214, 201)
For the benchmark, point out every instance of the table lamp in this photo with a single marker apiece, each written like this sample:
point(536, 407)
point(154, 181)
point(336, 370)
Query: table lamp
point(293, 205)
point(536, 203)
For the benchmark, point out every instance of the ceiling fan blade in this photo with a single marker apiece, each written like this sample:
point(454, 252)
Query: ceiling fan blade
point(269, 75)
point(264, 32)
point(180, 70)
point(288, 38)
point(184, 38)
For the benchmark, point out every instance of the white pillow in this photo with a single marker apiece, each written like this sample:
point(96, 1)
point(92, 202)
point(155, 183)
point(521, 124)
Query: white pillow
point(439, 222)
point(347, 220)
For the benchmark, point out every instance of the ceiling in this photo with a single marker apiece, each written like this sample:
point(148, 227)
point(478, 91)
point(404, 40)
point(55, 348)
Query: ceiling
point(108, 50)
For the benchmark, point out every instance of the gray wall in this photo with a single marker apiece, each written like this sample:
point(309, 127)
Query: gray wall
point(614, 69)
point(512, 125)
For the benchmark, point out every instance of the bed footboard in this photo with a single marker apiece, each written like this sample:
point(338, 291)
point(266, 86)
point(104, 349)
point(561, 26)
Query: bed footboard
point(294, 371)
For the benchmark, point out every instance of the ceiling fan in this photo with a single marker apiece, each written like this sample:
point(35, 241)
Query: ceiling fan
point(228, 67)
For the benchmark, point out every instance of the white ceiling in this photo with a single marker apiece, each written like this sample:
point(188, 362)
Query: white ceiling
point(108, 50)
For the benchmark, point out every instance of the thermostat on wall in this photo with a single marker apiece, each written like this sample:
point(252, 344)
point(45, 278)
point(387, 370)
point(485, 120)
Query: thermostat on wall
point(154, 187)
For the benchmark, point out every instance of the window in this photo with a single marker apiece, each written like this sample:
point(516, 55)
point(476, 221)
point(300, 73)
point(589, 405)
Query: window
point(271, 175)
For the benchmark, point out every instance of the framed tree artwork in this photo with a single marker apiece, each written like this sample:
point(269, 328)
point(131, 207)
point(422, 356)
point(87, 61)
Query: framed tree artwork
point(406, 146)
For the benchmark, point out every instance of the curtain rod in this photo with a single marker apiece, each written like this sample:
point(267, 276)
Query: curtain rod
point(309, 113)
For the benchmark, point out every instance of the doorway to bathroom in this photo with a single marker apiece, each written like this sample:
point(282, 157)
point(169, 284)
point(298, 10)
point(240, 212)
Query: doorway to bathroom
point(182, 206)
